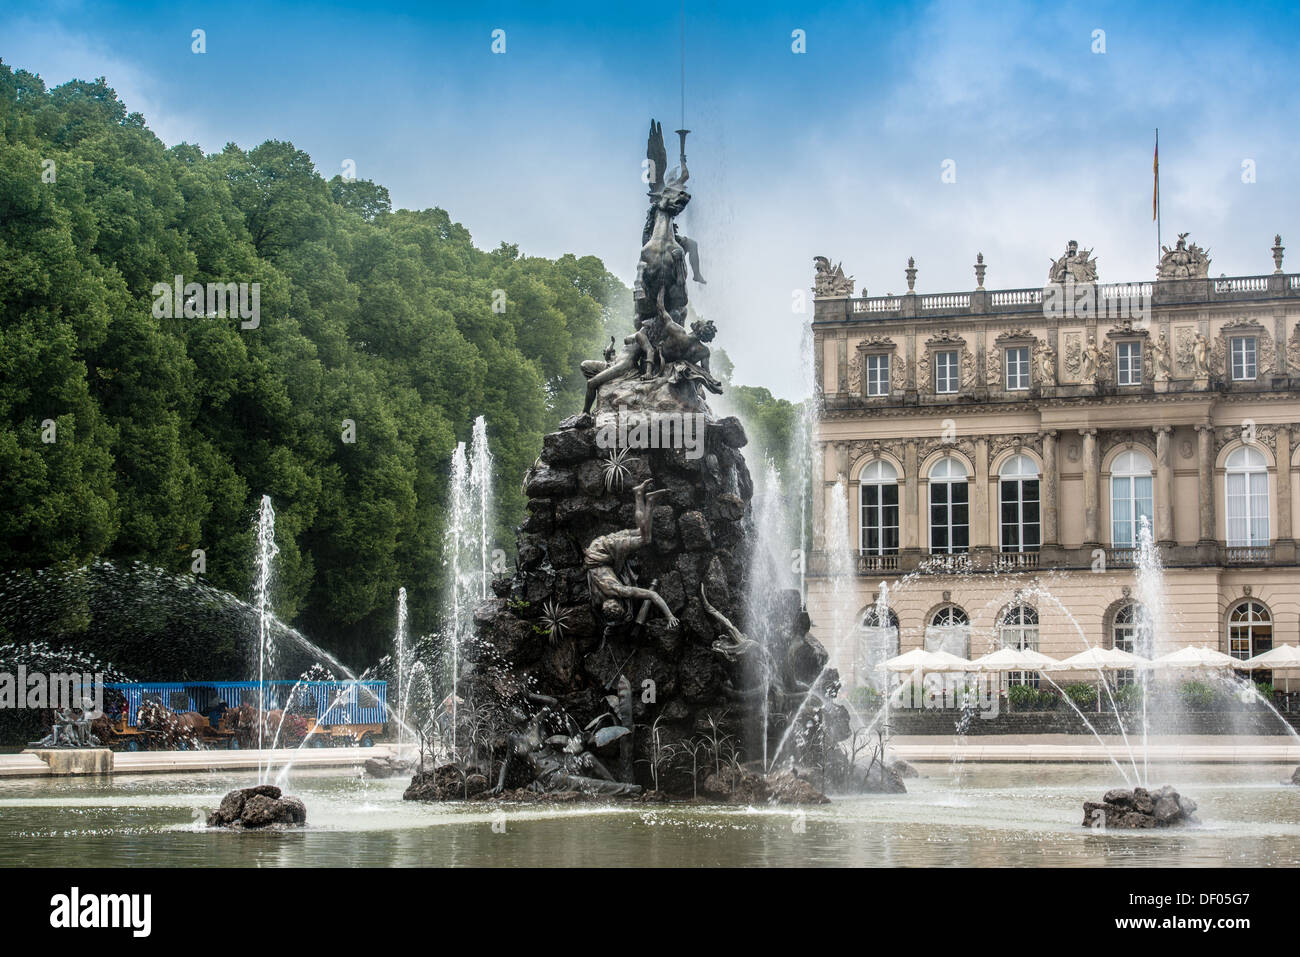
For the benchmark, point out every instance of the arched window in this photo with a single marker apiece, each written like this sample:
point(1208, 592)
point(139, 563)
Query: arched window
point(878, 534)
point(876, 643)
point(949, 508)
point(1019, 629)
point(1018, 485)
point(949, 630)
point(1130, 632)
point(949, 616)
point(1130, 498)
point(1246, 498)
point(871, 618)
point(1250, 630)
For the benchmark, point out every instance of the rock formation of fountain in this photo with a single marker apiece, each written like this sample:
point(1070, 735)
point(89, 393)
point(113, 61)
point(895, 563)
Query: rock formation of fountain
point(619, 655)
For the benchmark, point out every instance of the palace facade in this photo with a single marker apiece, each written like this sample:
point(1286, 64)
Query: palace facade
point(994, 456)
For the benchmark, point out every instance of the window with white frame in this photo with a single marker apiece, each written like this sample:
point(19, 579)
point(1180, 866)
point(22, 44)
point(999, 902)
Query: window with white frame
point(1250, 630)
point(1244, 351)
point(949, 507)
point(1019, 630)
point(878, 374)
point(1019, 504)
point(878, 487)
point(946, 374)
point(1245, 498)
point(1128, 363)
point(1130, 498)
point(1017, 364)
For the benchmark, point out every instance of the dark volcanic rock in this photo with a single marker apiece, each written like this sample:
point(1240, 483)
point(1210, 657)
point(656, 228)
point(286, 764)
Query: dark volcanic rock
point(1295, 777)
point(546, 482)
point(569, 446)
point(256, 807)
point(1139, 808)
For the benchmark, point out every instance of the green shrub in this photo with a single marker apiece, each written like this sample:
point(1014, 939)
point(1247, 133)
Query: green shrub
point(1196, 695)
point(1028, 698)
point(1265, 690)
point(1128, 697)
point(1082, 694)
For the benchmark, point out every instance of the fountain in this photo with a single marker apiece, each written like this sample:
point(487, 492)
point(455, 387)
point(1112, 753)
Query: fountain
point(619, 656)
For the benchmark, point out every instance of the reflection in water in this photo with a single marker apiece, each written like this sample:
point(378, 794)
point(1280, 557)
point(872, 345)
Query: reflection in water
point(994, 818)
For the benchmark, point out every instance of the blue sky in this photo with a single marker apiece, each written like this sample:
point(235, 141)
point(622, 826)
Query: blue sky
point(837, 151)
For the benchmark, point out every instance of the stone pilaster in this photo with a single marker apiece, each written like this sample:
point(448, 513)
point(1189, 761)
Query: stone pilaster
point(819, 491)
point(1048, 492)
point(1284, 547)
point(1205, 484)
point(1164, 529)
point(1091, 489)
point(911, 518)
point(979, 498)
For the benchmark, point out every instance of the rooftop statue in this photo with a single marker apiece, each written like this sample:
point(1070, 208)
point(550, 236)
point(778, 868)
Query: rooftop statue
point(1074, 266)
point(830, 282)
point(1183, 261)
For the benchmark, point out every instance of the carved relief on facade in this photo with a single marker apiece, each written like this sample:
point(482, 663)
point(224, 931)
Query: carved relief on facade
point(1251, 434)
point(1072, 356)
point(1001, 443)
point(927, 447)
point(1293, 351)
point(1184, 349)
point(1045, 364)
point(1129, 438)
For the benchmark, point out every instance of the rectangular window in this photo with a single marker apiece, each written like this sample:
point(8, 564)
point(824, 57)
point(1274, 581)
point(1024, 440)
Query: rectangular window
point(878, 375)
point(1247, 509)
point(1128, 363)
point(1130, 502)
point(1244, 367)
point(949, 517)
point(1017, 360)
point(880, 519)
point(945, 372)
point(1019, 515)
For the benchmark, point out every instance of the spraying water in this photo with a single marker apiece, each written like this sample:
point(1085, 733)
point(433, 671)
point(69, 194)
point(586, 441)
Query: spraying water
point(266, 552)
point(400, 652)
point(767, 578)
point(468, 559)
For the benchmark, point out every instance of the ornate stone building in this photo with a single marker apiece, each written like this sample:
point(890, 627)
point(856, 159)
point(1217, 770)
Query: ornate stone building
point(1000, 452)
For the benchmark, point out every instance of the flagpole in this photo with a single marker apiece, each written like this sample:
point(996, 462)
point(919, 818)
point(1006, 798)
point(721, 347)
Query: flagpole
point(1159, 246)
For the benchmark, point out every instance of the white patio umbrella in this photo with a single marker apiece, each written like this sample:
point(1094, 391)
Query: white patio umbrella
point(1281, 658)
point(1196, 657)
point(1106, 659)
point(1015, 659)
point(925, 661)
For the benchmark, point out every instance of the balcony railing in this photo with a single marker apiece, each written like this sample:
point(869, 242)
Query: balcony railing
point(869, 564)
point(1013, 561)
point(1247, 554)
point(1121, 557)
point(983, 302)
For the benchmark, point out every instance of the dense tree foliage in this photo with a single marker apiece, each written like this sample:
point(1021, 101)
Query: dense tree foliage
point(138, 438)
point(166, 431)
